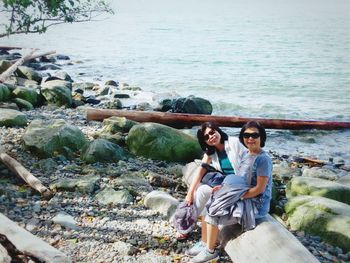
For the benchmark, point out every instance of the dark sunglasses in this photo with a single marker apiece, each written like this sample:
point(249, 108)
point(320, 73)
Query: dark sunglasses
point(254, 135)
point(206, 137)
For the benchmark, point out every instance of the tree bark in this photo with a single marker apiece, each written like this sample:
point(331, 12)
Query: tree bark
point(6, 74)
point(180, 120)
point(37, 56)
point(22, 172)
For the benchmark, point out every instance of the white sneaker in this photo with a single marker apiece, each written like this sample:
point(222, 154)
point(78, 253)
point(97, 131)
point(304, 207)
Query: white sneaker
point(205, 256)
point(195, 250)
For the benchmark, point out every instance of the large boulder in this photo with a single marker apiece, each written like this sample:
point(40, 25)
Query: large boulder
point(190, 104)
point(11, 118)
point(160, 142)
point(161, 202)
point(4, 92)
point(28, 94)
point(322, 173)
point(318, 187)
point(345, 180)
point(284, 172)
point(52, 138)
point(101, 150)
point(116, 124)
point(28, 73)
point(58, 92)
point(321, 216)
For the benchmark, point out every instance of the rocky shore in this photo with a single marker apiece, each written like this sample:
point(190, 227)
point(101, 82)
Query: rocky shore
point(115, 207)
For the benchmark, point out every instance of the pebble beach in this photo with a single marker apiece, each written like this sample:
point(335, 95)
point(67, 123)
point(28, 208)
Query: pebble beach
point(92, 232)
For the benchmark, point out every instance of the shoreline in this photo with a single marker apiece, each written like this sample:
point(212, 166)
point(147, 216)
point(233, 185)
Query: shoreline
point(121, 230)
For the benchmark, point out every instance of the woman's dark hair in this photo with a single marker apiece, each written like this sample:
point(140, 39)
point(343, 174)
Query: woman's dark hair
point(257, 125)
point(200, 136)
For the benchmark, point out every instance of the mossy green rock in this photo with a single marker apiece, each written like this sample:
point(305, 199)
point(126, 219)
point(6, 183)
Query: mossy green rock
point(318, 187)
point(4, 92)
point(12, 118)
point(116, 124)
point(4, 65)
point(321, 216)
point(52, 138)
point(101, 150)
point(160, 142)
point(28, 94)
point(28, 73)
point(57, 92)
point(23, 104)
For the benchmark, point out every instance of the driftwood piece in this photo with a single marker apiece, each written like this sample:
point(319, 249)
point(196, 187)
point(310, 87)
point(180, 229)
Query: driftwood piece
point(22, 172)
point(269, 242)
point(29, 244)
point(6, 74)
point(37, 56)
point(188, 120)
point(9, 48)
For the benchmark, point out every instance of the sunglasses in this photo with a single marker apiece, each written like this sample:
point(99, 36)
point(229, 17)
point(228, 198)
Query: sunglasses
point(206, 137)
point(254, 135)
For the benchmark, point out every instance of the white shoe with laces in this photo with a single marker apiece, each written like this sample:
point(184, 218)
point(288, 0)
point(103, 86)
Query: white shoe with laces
point(205, 256)
point(195, 250)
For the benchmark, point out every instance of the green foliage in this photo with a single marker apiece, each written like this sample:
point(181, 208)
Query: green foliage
point(35, 16)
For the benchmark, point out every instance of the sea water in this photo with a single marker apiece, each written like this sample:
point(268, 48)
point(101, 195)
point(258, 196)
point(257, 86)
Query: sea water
point(250, 58)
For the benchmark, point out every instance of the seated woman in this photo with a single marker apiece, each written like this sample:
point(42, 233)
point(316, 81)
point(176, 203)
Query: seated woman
point(222, 152)
point(256, 166)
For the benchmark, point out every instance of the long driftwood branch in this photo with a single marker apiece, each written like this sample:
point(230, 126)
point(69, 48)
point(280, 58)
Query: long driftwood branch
point(22, 172)
point(189, 120)
point(6, 74)
point(37, 56)
point(9, 48)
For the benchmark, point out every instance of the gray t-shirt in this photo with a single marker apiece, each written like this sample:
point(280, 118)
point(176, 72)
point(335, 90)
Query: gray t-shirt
point(252, 166)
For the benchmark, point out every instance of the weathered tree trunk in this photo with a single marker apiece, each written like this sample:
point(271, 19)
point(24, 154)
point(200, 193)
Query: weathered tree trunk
point(6, 74)
point(29, 244)
point(22, 172)
point(9, 48)
point(189, 120)
point(38, 55)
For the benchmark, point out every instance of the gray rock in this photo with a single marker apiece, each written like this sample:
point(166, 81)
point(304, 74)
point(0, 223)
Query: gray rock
point(101, 150)
point(28, 73)
point(321, 216)
point(322, 173)
point(66, 220)
point(116, 124)
point(109, 196)
point(4, 92)
point(57, 92)
point(345, 180)
point(160, 142)
point(12, 118)
point(52, 138)
point(318, 187)
point(85, 185)
point(161, 202)
point(133, 182)
point(284, 172)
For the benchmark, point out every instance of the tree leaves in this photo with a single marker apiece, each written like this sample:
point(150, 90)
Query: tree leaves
point(35, 16)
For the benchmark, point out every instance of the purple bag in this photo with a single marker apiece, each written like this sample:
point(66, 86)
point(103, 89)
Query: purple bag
point(185, 218)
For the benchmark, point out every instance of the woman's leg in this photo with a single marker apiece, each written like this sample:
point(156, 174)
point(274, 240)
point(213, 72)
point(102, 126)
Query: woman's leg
point(201, 198)
point(212, 236)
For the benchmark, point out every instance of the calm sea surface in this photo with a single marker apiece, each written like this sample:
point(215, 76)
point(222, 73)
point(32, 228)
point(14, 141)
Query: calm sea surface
point(252, 58)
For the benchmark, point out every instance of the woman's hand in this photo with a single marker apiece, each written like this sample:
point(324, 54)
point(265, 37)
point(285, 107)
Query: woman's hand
point(189, 198)
point(215, 188)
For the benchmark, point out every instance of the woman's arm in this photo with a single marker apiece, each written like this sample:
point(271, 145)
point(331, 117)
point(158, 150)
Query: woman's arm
point(197, 179)
point(258, 189)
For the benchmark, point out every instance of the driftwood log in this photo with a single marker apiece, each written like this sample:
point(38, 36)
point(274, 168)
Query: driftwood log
point(189, 120)
point(6, 74)
point(22, 172)
point(9, 48)
point(29, 244)
point(44, 54)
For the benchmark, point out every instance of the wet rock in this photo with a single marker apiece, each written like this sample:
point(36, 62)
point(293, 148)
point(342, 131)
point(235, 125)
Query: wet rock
point(112, 83)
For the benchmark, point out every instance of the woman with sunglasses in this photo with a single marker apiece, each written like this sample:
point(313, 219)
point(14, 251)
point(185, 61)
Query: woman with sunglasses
point(221, 152)
point(256, 167)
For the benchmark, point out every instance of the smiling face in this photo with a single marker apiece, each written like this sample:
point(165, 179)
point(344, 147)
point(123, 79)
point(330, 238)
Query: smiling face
point(212, 137)
point(251, 138)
